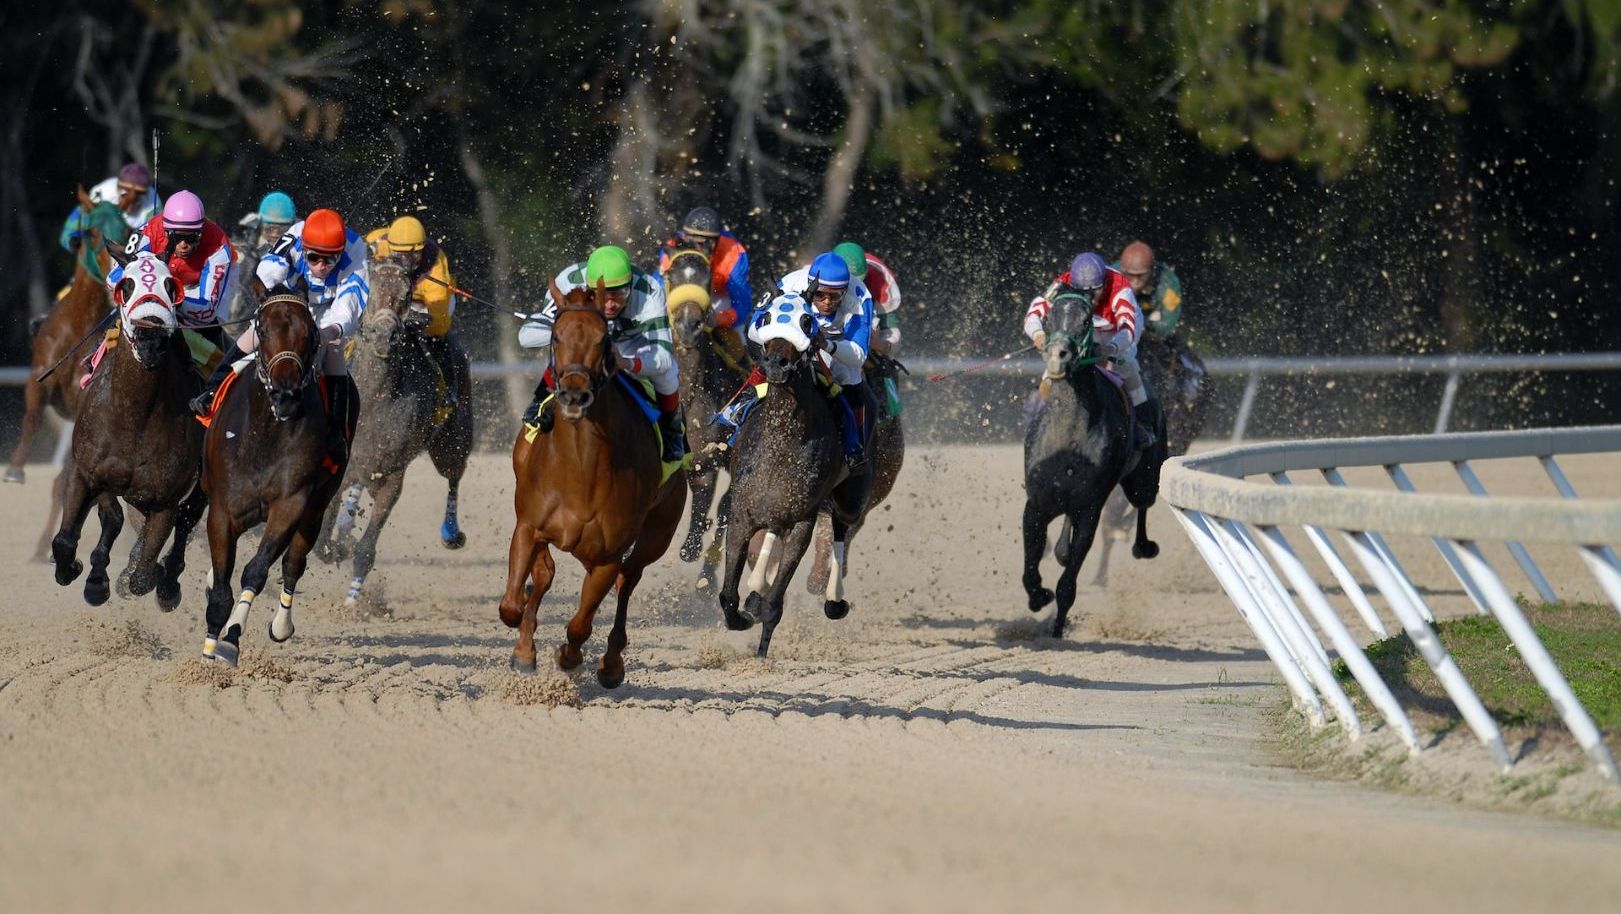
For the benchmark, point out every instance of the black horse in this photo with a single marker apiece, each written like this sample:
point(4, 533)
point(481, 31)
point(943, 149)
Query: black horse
point(788, 464)
point(1077, 449)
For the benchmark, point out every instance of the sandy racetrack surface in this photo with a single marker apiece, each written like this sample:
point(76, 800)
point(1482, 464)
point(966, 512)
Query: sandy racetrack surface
point(928, 753)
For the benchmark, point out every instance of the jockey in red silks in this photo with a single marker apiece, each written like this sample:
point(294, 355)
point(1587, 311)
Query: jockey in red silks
point(196, 251)
point(1116, 326)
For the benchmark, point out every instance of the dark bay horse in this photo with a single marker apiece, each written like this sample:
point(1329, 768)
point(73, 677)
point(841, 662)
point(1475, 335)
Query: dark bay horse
point(709, 378)
point(137, 439)
point(266, 461)
point(1178, 377)
point(886, 452)
point(593, 487)
point(61, 338)
point(787, 466)
point(1075, 452)
point(408, 410)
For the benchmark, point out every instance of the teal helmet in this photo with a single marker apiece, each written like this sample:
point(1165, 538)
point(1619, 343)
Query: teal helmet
point(277, 208)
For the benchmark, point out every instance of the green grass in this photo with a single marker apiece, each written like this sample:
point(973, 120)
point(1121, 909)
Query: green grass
point(1583, 638)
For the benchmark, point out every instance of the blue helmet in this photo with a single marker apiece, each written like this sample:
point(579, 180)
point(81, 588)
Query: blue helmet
point(1086, 271)
point(277, 208)
point(830, 271)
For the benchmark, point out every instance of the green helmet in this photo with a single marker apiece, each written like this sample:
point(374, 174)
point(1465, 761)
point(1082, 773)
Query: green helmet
point(610, 264)
point(852, 254)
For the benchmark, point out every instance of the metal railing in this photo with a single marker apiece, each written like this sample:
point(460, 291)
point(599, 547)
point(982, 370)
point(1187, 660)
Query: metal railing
point(1236, 524)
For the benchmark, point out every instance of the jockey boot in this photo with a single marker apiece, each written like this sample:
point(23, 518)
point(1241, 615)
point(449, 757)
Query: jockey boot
point(541, 412)
point(1146, 416)
point(203, 402)
point(440, 351)
point(673, 431)
point(341, 415)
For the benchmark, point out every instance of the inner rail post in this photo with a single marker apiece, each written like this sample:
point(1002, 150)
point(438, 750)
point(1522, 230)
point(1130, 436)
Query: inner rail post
point(1337, 567)
point(1251, 388)
point(1515, 548)
point(1399, 476)
point(1398, 575)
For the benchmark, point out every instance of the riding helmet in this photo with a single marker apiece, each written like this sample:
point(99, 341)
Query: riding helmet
point(406, 234)
point(135, 175)
point(854, 257)
point(277, 209)
point(830, 271)
point(610, 264)
point(1086, 271)
point(702, 221)
point(184, 212)
point(324, 232)
point(1137, 258)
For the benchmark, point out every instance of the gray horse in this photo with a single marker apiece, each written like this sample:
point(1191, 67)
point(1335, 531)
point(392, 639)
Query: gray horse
point(409, 408)
point(1077, 449)
point(788, 464)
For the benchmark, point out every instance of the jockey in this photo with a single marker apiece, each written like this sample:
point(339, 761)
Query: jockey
point(261, 229)
point(131, 190)
point(198, 256)
point(843, 310)
point(886, 295)
point(1116, 320)
point(1156, 286)
point(326, 261)
point(433, 308)
point(729, 275)
point(639, 327)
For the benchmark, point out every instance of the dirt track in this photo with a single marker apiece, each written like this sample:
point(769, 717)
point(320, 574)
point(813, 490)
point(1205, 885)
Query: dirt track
point(927, 753)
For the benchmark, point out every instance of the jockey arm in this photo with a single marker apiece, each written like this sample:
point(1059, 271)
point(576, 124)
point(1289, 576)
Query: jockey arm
point(886, 310)
point(435, 296)
point(277, 264)
point(852, 347)
point(1036, 315)
point(1166, 303)
point(653, 351)
point(740, 294)
point(536, 332)
point(342, 316)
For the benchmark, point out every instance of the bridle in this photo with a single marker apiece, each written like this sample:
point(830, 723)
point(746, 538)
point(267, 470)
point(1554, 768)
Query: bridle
point(610, 366)
point(305, 363)
point(1085, 350)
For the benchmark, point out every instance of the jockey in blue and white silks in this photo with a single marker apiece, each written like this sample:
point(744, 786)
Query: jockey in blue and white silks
point(337, 295)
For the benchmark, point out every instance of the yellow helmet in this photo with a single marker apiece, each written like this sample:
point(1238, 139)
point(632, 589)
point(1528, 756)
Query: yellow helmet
point(406, 234)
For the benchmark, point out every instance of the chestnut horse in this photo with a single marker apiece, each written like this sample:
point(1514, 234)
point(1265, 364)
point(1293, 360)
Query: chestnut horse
point(61, 339)
point(137, 439)
point(592, 487)
point(266, 461)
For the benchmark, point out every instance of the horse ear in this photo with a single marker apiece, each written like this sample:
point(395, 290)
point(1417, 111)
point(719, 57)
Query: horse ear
point(84, 199)
point(119, 253)
point(601, 294)
point(172, 289)
point(556, 293)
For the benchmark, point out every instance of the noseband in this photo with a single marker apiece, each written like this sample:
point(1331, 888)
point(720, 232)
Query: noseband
point(577, 369)
point(265, 365)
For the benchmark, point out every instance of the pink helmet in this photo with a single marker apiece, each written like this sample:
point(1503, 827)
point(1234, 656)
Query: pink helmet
point(183, 211)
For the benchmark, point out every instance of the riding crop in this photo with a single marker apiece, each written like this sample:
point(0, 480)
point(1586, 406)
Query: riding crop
point(474, 298)
point(981, 365)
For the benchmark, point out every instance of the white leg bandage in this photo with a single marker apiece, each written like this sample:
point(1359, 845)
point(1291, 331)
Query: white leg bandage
point(757, 577)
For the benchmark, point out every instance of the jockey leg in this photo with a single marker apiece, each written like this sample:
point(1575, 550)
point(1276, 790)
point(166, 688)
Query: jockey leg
point(1142, 406)
point(672, 423)
point(243, 345)
point(853, 423)
point(443, 349)
point(344, 407)
point(733, 409)
point(540, 413)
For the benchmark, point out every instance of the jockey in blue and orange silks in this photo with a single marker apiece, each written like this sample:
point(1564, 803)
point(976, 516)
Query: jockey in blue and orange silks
point(729, 276)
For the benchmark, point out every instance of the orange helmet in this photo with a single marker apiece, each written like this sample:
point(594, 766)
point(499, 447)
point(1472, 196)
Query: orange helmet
point(1137, 258)
point(324, 232)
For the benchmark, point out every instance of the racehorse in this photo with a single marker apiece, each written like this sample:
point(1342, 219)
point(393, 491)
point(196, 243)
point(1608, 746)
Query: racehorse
point(886, 451)
point(787, 466)
point(267, 461)
point(137, 439)
point(1075, 452)
point(593, 487)
point(62, 338)
point(1177, 375)
point(410, 408)
point(709, 377)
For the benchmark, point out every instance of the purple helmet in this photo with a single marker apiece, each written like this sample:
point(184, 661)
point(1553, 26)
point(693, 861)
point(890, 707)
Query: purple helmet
point(135, 175)
point(184, 211)
point(1086, 271)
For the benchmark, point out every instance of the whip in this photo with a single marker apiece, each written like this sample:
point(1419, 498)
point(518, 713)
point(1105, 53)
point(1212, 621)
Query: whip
point(978, 366)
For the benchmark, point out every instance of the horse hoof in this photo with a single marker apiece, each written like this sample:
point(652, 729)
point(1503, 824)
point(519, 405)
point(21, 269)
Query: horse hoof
point(97, 592)
point(1039, 598)
point(13, 474)
point(453, 542)
point(227, 653)
point(1058, 628)
point(122, 587)
point(67, 575)
point(519, 665)
point(1146, 550)
point(169, 597)
point(737, 622)
point(836, 609)
point(568, 657)
point(753, 605)
point(270, 630)
point(610, 680)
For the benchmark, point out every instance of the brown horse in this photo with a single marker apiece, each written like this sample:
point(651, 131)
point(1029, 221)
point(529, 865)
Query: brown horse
point(137, 439)
point(592, 487)
point(887, 451)
point(266, 461)
point(63, 337)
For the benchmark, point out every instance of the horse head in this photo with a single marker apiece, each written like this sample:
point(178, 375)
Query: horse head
point(288, 345)
point(107, 235)
point(688, 298)
point(785, 329)
point(582, 360)
point(390, 296)
point(147, 299)
point(1069, 344)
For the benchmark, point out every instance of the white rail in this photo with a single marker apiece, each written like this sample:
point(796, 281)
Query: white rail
point(1217, 503)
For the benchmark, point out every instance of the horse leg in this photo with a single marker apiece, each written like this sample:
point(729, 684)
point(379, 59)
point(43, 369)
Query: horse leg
point(191, 510)
point(97, 586)
point(1086, 527)
point(541, 572)
point(222, 537)
point(33, 414)
point(340, 527)
point(760, 574)
point(834, 606)
point(1143, 547)
point(448, 451)
point(280, 525)
point(43, 551)
point(1035, 544)
point(382, 505)
point(793, 549)
point(737, 553)
point(658, 529)
point(713, 555)
point(816, 580)
point(703, 496)
point(76, 500)
point(142, 575)
point(293, 564)
point(515, 610)
point(598, 578)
